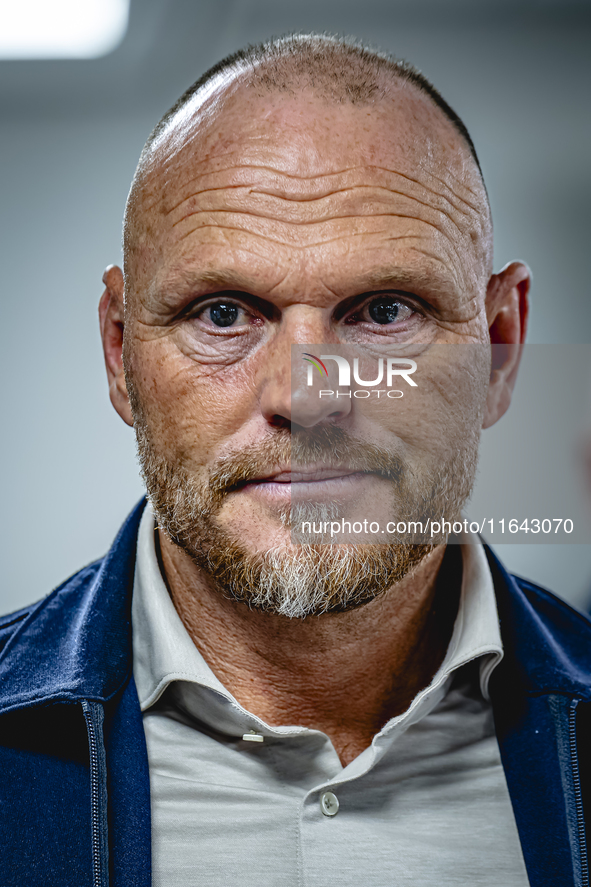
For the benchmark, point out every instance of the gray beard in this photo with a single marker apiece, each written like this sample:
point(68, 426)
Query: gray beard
point(298, 580)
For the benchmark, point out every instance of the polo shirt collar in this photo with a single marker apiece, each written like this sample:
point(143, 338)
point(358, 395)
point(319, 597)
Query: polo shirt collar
point(164, 651)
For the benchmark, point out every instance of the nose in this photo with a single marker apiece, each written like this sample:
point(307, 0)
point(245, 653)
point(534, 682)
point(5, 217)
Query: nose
point(297, 392)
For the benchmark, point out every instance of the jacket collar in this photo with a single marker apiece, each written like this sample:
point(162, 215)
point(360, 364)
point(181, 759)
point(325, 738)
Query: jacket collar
point(547, 643)
point(76, 643)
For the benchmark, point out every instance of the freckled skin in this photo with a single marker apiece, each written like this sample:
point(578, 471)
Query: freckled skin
point(305, 207)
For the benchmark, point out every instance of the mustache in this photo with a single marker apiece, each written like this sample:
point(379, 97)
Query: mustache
point(327, 446)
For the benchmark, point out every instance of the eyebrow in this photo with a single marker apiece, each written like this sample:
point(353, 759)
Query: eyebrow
point(167, 287)
point(413, 281)
point(435, 291)
point(400, 278)
point(227, 278)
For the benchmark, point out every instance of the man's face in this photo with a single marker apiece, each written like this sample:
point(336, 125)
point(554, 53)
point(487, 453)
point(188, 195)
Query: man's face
point(272, 221)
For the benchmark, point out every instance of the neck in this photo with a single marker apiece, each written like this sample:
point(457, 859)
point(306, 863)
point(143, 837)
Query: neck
point(345, 674)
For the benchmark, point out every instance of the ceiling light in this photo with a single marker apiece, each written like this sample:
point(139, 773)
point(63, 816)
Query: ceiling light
point(51, 29)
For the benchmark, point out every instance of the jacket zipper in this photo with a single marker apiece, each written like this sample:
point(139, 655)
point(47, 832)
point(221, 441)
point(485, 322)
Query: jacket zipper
point(94, 715)
point(572, 728)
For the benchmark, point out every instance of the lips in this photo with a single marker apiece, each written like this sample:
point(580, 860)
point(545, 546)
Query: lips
point(306, 476)
point(319, 484)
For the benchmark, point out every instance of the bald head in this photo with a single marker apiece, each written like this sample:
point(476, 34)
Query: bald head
point(333, 72)
point(338, 70)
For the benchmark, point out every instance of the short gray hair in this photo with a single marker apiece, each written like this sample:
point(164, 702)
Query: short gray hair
point(340, 69)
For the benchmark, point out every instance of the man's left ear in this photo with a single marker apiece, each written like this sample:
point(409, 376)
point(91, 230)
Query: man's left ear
point(507, 309)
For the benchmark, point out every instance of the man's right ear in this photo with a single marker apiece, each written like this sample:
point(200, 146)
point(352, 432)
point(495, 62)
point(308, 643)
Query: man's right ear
point(111, 319)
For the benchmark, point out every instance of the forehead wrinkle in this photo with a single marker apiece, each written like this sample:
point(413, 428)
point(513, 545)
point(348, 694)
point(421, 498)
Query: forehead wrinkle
point(476, 193)
point(241, 176)
point(468, 225)
point(320, 186)
point(300, 247)
point(449, 279)
point(249, 192)
point(333, 193)
point(330, 216)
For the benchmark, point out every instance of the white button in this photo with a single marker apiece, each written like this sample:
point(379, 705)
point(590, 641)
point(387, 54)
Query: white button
point(329, 804)
point(253, 736)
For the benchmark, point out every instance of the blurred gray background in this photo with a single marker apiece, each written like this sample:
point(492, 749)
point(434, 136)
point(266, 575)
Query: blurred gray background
point(517, 72)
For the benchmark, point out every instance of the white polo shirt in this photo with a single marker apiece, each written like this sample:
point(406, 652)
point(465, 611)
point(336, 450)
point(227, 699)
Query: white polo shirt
point(425, 805)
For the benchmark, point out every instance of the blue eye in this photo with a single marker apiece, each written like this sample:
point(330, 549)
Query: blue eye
point(384, 310)
point(223, 313)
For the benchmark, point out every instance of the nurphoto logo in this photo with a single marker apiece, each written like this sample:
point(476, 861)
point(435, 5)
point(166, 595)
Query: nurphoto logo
point(390, 367)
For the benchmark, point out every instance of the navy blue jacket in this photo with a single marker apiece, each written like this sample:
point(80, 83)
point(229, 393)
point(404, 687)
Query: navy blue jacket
point(74, 785)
